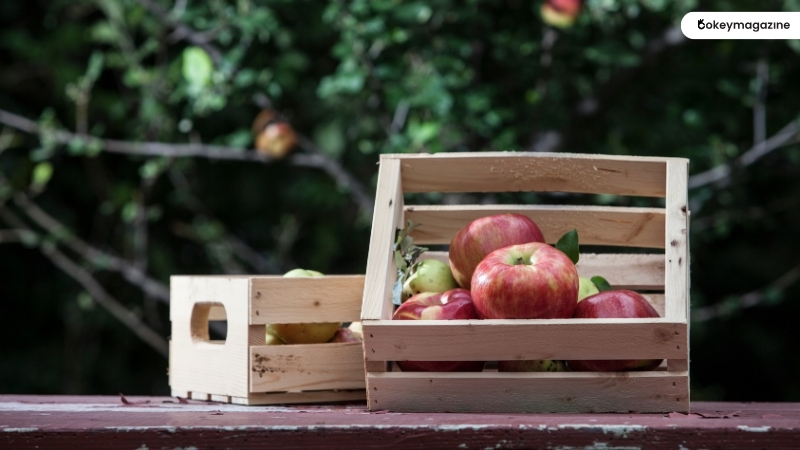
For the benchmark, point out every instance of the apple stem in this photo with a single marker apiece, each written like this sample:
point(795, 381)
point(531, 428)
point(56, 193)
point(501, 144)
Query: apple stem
point(520, 260)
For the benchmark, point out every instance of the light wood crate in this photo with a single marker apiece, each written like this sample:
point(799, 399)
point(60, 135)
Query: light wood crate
point(665, 275)
point(242, 369)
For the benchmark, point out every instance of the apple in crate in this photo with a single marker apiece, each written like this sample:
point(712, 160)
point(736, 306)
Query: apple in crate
point(532, 365)
point(482, 236)
point(614, 304)
point(304, 333)
point(526, 281)
point(454, 304)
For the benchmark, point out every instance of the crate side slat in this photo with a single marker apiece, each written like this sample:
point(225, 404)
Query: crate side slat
point(541, 172)
point(306, 367)
point(677, 242)
point(596, 225)
point(492, 340)
point(622, 271)
point(293, 398)
point(557, 392)
point(333, 298)
point(206, 367)
point(381, 268)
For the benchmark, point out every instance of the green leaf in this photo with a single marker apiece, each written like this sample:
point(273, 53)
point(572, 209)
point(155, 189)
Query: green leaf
point(197, 68)
point(42, 173)
point(397, 292)
point(569, 245)
point(601, 283)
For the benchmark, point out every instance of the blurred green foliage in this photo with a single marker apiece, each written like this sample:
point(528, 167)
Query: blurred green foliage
point(361, 78)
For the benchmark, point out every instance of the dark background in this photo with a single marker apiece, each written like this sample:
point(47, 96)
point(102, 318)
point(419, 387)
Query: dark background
point(357, 79)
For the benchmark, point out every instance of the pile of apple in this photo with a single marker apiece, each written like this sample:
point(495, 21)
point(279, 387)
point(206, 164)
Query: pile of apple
point(501, 268)
point(312, 333)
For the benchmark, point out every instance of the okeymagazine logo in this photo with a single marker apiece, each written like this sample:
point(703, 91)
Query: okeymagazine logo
point(741, 25)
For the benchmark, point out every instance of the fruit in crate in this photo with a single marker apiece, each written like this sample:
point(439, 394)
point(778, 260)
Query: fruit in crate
point(586, 288)
point(429, 275)
point(344, 334)
point(484, 235)
point(304, 333)
point(532, 365)
point(454, 304)
point(608, 305)
point(526, 281)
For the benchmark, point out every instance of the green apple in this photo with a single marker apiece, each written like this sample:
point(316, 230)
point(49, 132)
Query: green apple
point(586, 288)
point(429, 275)
point(271, 338)
point(303, 333)
point(541, 365)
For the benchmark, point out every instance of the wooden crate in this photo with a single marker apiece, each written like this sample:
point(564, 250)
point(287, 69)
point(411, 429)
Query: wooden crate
point(242, 369)
point(665, 275)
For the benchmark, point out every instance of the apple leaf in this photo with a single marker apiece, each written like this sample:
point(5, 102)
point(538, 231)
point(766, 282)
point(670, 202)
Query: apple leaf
point(405, 257)
point(601, 283)
point(569, 245)
point(397, 292)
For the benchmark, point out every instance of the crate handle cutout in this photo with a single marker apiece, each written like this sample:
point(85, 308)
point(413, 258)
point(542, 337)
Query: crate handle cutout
point(203, 313)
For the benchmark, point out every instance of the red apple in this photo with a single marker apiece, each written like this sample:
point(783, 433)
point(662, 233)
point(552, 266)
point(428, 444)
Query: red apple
point(561, 13)
point(614, 304)
point(526, 281)
point(482, 236)
point(450, 305)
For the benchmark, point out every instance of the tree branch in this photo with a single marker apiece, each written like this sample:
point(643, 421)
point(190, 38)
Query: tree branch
point(182, 31)
point(129, 271)
point(748, 300)
point(95, 289)
point(785, 136)
point(316, 159)
point(112, 305)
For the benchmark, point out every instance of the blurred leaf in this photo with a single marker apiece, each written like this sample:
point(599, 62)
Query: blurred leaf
point(42, 173)
point(197, 69)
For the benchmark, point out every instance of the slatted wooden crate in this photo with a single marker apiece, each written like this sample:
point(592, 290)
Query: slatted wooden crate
point(242, 369)
point(664, 272)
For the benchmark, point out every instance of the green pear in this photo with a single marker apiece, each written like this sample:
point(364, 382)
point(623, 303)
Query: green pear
point(303, 333)
point(429, 275)
point(586, 288)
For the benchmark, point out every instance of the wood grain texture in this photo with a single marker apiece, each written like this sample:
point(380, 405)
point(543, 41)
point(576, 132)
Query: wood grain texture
point(388, 217)
point(197, 365)
point(306, 367)
point(332, 298)
point(623, 271)
point(596, 225)
point(553, 392)
point(542, 172)
point(677, 242)
point(307, 398)
point(492, 340)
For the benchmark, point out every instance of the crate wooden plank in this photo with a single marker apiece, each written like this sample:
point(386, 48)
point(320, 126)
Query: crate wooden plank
point(519, 172)
point(564, 392)
point(306, 367)
point(303, 397)
point(623, 271)
point(387, 217)
point(677, 249)
point(677, 241)
point(333, 298)
point(596, 225)
point(456, 340)
point(196, 364)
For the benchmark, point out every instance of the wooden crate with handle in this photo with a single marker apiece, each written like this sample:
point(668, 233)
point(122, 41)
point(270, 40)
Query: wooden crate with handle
point(663, 274)
point(241, 369)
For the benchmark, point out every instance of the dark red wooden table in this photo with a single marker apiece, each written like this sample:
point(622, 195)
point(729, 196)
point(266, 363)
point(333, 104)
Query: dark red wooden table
point(28, 422)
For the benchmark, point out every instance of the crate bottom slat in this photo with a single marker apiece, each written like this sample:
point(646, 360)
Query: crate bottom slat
point(555, 392)
point(279, 398)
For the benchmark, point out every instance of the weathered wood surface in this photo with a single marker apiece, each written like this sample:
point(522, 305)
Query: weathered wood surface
point(29, 422)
